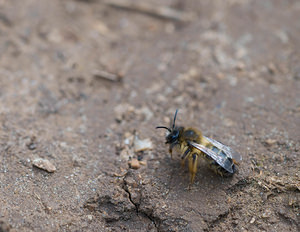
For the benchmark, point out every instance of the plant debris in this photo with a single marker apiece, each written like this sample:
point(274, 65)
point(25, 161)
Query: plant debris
point(150, 9)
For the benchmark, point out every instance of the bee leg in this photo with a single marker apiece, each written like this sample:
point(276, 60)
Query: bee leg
point(193, 163)
point(220, 172)
point(170, 151)
point(184, 156)
point(235, 162)
point(171, 148)
point(216, 168)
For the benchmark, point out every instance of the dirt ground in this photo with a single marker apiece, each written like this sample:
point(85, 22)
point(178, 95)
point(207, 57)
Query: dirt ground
point(81, 82)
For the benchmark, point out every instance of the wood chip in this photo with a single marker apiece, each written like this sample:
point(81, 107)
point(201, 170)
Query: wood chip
point(44, 164)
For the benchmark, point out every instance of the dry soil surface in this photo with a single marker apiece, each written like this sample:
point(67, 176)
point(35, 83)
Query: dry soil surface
point(81, 82)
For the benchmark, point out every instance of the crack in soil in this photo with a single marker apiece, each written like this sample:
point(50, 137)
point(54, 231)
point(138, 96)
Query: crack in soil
point(161, 223)
point(220, 218)
point(130, 198)
point(156, 222)
point(133, 206)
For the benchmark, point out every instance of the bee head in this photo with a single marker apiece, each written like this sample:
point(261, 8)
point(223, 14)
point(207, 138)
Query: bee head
point(173, 134)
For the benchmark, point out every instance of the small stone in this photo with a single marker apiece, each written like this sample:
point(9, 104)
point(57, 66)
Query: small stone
point(240, 66)
point(297, 74)
point(142, 145)
point(144, 163)
point(270, 142)
point(283, 36)
point(220, 76)
point(127, 134)
point(123, 112)
point(31, 146)
point(271, 68)
point(166, 120)
point(128, 139)
point(125, 153)
point(267, 213)
point(63, 144)
point(134, 164)
point(146, 112)
point(44, 164)
point(228, 122)
point(252, 220)
point(90, 217)
point(241, 52)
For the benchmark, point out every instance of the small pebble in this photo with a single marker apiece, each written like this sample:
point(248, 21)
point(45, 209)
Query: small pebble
point(267, 213)
point(240, 66)
point(252, 220)
point(134, 164)
point(270, 142)
point(44, 164)
point(148, 114)
point(123, 111)
point(142, 145)
point(271, 68)
point(125, 153)
point(31, 146)
point(144, 163)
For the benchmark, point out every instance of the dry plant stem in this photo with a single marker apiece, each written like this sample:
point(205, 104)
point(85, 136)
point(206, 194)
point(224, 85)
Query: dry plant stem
point(100, 74)
point(156, 11)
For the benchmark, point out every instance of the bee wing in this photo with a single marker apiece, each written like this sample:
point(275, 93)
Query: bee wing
point(228, 151)
point(223, 161)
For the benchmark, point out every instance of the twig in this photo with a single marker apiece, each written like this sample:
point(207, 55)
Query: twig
point(156, 11)
point(120, 175)
point(112, 77)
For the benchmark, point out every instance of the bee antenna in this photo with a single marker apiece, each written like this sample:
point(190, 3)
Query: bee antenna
point(164, 127)
point(174, 118)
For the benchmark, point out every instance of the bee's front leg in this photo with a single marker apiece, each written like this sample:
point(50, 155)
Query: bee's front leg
point(170, 151)
point(171, 148)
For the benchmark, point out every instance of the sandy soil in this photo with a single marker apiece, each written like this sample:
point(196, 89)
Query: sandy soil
point(80, 80)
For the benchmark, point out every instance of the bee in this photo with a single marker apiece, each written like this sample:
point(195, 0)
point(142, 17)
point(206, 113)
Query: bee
point(193, 145)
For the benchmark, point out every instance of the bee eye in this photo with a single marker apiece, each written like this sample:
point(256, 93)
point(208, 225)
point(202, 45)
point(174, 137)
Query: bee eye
point(175, 135)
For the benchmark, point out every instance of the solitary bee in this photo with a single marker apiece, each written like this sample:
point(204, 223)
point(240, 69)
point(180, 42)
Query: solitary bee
point(193, 144)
